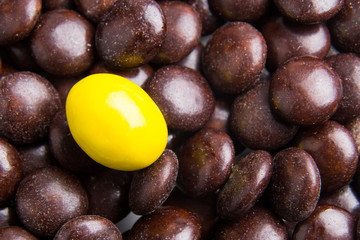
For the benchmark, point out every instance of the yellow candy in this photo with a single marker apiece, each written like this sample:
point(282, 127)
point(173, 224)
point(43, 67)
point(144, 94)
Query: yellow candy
point(115, 122)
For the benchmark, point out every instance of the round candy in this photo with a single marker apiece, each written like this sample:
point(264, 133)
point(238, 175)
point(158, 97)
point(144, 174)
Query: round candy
point(115, 122)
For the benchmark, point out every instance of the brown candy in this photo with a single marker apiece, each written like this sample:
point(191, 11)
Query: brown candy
point(108, 194)
point(234, 57)
point(347, 67)
point(258, 223)
point(47, 198)
point(182, 34)
point(183, 96)
point(334, 151)
point(28, 102)
point(205, 162)
point(305, 91)
point(245, 10)
point(167, 223)
point(354, 128)
point(131, 34)
point(18, 19)
point(253, 123)
point(15, 233)
point(150, 187)
point(247, 182)
point(94, 10)
point(286, 39)
point(294, 189)
point(344, 27)
point(65, 150)
point(309, 11)
point(8, 216)
point(334, 222)
point(88, 227)
point(59, 55)
point(10, 171)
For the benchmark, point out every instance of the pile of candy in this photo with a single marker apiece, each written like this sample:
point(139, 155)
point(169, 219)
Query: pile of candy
point(206, 119)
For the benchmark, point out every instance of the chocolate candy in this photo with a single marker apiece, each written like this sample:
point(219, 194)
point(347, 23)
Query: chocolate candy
point(64, 148)
point(205, 162)
point(8, 216)
point(247, 182)
point(150, 187)
point(354, 128)
point(183, 96)
point(167, 223)
point(286, 39)
point(294, 189)
point(253, 123)
point(18, 19)
point(344, 27)
point(346, 66)
point(334, 222)
point(183, 32)
point(47, 198)
point(305, 91)
point(68, 56)
point(10, 171)
point(234, 57)
point(94, 10)
point(131, 34)
point(88, 227)
point(246, 10)
point(57, 4)
point(257, 223)
point(15, 233)
point(108, 194)
point(309, 11)
point(334, 151)
point(28, 102)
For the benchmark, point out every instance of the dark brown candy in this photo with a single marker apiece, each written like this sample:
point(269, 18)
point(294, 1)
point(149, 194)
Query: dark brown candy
point(183, 96)
point(234, 57)
point(131, 34)
point(10, 171)
point(167, 223)
point(305, 91)
point(18, 19)
point(245, 10)
point(65, 150)
point(220, 117)
point(193, 59)
point(209, 21)
point(204, 208)
point(246, 184)
point(176, 139)
point(256, 224)
point(205, 162)
point(286, 39)
point(354, 128)
point(28, 102)
point(150, 187)
point(182, 34)
point(108, 194)
point(88, 227)
point(253, 123)
point(63, 42)
point(309, 11)
point(347, 67)
point(63, 85)
point(294, 189)
point(21, 56)
point(326, 222)
point(15, 233)
point(139, 75)
point(35, 156)
point(47, 198)
point(94, 10)
point(344, 197)
point(57, 4)
point(334, 151)
point(344, 27)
